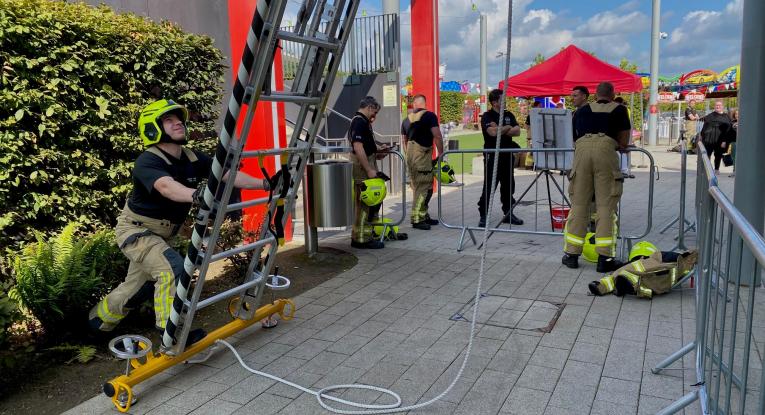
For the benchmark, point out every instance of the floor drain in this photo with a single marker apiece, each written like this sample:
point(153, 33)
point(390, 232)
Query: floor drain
point(512, 313)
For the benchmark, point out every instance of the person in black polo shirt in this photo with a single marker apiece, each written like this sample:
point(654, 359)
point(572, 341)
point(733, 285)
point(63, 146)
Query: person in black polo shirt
point(510, 128)
point(419, 131)
point(600, 128)
point(167, 180)
point(364, 156)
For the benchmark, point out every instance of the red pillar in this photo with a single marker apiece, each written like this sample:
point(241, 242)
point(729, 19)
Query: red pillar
point(268, 127)
point(425, 51)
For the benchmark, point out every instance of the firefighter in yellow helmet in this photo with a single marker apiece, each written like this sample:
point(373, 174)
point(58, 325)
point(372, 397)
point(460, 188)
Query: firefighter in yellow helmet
point(600, 128)
point(167, 179)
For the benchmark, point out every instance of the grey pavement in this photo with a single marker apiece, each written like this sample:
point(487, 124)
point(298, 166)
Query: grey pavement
point(398, 320)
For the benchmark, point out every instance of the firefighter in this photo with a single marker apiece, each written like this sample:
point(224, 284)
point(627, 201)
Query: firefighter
point(600, 128)
point(167, 179)
point(419, 132)
point(505, 169)
point(364, 158)
point(649, 272)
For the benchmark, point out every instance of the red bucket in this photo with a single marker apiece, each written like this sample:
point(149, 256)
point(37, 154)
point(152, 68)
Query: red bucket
point(559, 216)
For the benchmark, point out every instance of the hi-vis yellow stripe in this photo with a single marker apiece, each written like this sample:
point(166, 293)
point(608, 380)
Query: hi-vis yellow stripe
point(107, 316)
point(608, 282)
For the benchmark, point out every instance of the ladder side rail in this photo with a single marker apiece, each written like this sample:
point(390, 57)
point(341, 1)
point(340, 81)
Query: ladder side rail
point(252, 297)
point(171, 342)
point(259, 76)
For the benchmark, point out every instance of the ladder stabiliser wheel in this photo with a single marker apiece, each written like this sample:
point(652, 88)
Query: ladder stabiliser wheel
point(130, 346)
point(277, 282)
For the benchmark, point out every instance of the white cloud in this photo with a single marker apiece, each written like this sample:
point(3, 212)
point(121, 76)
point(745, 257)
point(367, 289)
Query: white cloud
point(704, 39)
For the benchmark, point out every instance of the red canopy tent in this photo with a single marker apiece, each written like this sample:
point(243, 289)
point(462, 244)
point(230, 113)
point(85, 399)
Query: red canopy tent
point(570, 67)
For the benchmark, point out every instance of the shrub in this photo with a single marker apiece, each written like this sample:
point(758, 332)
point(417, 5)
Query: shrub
point(9, 311)
point(72, 81)
point(58, 280)
point(451, 106)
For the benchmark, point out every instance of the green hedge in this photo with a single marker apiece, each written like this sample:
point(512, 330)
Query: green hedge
point(451, 106)
point(73, 79)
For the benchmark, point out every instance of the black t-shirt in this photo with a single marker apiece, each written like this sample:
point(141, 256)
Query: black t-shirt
point(490, 140)
point(609, 123)
point(361, 132)
point(689, 112)
point(420, 131)
point(147, 201)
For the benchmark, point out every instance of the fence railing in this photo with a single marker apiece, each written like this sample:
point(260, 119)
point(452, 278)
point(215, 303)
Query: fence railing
point(730, 307)
point(373, 47)
point(552, 156)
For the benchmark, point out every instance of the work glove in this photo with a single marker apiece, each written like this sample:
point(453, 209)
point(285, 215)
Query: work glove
point(273, 181)
point(383, 176)
point(199, 194)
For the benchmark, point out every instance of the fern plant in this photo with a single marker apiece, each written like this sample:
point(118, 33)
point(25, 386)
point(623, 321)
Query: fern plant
point(59, 279)
point(9, 311)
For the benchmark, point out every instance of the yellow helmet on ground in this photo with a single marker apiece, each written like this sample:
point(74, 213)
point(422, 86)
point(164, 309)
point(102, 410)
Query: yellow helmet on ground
point(444, 172)
point(642, 249)
point(588, 250)
point(373, 191)
point(149, 124)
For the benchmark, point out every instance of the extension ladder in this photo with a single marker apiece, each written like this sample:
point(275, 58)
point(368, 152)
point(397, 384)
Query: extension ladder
point(323, 28)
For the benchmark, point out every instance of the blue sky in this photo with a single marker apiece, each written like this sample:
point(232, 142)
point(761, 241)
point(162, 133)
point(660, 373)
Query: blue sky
point(702, 33)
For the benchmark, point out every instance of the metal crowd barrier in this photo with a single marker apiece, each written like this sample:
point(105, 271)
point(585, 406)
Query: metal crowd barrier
point(311, 232)
point(730, 329)
point(467, 230)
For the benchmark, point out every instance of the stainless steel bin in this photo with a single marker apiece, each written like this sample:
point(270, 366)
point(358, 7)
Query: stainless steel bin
point(330, 193)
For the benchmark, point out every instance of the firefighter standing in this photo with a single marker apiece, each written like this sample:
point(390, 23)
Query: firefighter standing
point(364, 156)
point(167, 179)
point(506, 179)
point(600, 128)
point(419, 131)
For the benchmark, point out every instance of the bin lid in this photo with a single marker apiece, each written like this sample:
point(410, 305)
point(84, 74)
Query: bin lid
point(331, 161)
point(330, 149)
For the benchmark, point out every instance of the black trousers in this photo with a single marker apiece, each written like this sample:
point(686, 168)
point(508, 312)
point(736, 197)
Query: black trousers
point(506, 182)
point(717, 151)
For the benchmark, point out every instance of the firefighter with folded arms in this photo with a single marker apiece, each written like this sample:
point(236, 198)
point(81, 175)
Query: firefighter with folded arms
point(600, 128)
point(168, 178)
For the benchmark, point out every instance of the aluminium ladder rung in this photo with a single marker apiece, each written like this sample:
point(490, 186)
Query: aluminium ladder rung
point(243, 248)
point(307, 40)
point(228, 293)
point(289, 97)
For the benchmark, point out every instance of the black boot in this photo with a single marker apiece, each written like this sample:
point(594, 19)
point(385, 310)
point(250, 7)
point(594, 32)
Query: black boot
point(608, 264)
point(595, 288)
point(570, 260)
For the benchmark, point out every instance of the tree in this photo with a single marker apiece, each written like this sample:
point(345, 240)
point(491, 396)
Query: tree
point(409, 80)
point(627, 66)
point(537, 60)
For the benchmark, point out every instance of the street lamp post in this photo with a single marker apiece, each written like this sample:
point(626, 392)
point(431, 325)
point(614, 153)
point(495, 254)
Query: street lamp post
point(483, 62)
point(653, 109)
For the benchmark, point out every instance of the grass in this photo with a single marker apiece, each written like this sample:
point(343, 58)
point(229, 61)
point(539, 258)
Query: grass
point(464, 162)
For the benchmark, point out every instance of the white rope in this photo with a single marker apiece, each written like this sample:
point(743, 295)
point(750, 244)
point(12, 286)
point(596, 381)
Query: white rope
point(321, 394)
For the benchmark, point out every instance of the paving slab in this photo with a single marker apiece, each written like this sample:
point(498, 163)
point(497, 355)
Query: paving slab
point(543, 345)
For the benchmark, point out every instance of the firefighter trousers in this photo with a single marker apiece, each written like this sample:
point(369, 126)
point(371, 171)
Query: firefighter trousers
point(595, 171)
point(154, 268)
point(363, 214)
point(419, 163)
